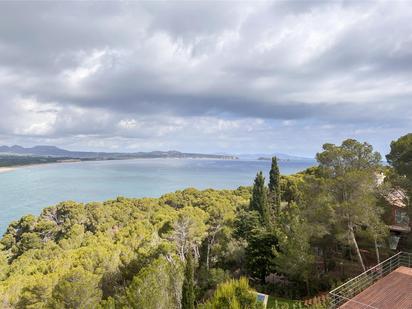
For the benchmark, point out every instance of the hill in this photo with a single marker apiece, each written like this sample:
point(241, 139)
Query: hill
point(53, 151)
point(266, 156)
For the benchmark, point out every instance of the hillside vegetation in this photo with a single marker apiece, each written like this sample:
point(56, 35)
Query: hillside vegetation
point(14, 160)
point(293, 237)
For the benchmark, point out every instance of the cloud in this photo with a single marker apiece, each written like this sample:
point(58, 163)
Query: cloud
point(205, 76)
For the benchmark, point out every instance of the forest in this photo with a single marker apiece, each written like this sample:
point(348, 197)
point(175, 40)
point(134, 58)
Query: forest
point(19, 160)
point(292, 237)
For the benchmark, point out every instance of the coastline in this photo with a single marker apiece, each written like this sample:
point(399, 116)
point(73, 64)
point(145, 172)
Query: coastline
point(7, 169)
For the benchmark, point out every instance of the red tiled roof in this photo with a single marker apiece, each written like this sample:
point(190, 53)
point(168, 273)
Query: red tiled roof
point(397, 198)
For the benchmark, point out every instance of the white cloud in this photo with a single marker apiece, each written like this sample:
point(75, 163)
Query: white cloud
point(207, 76)
point(128, 123)
point(30, 117)
point(90, 64)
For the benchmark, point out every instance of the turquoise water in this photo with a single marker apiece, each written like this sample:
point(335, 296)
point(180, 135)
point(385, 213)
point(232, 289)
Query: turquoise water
point(28, 190)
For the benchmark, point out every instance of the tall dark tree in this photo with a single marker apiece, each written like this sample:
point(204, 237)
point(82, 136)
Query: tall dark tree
point(258, 200)
point(260, 253)
point(400, 156)
point(188, 289)
point(274, 187)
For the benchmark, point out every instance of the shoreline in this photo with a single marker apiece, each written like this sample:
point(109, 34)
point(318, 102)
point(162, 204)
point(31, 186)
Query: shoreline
point(6, 169)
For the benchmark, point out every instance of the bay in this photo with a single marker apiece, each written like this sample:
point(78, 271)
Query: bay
point(27, 190)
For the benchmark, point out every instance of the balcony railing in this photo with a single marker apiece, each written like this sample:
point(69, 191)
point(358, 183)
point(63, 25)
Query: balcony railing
point(353, 287)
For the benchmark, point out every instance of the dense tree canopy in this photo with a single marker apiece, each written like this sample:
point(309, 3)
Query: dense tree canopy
point(400, 156)
point(188, 248)
point(125, 251)
point(350, 171)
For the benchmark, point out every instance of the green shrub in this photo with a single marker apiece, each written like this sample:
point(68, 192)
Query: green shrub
point(233, 294)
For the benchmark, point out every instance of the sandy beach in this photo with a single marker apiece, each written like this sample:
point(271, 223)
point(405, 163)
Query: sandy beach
point(6, 169)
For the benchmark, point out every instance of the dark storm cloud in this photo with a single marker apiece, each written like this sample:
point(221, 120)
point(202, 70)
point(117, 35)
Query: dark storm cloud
point(107, 70)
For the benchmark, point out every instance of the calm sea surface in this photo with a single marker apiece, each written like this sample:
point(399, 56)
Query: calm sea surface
point(27, 190)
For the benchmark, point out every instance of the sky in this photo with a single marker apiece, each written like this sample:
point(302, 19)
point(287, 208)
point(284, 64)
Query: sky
point(211, 77)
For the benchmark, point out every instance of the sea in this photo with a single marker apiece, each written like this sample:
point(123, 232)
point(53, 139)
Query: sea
point(27, 190)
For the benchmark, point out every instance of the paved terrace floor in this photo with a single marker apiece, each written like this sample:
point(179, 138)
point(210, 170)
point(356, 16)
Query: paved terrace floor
point(391, 292)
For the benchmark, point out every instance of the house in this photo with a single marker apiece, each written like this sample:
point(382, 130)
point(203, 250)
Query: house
point(398, 221)
point(397, 216)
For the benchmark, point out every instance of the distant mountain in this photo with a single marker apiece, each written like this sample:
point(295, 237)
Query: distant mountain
point(280, 156)
point(52, 151)
point(36, 150)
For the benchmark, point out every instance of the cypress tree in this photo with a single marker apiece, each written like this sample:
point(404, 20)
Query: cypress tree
point(274, 187)
point(258, 200)
point(188, 290)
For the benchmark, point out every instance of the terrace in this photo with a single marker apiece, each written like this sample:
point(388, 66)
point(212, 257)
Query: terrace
point(387, 285)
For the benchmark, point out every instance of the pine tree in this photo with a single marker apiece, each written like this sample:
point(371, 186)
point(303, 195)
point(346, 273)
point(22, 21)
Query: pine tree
point(188, 290)
point(258, 201)
point(274, 187)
